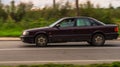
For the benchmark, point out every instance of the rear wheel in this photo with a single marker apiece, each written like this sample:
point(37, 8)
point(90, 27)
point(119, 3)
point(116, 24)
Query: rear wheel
point(98, 40)
point(41, 41)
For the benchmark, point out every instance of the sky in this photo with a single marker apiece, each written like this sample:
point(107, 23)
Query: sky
point(42, 3)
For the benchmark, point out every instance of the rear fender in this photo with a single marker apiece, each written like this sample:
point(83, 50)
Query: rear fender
point(96, 32)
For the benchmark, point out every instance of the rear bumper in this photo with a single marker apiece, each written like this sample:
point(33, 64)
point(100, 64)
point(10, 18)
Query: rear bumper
point(27, 39)
point(111, 36)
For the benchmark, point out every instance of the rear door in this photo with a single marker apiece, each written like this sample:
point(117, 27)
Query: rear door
point(84, 28)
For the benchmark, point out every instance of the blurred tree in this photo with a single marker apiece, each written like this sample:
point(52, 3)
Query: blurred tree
point(1, 5)
point(12, 9)
point(13, 6)
point(20, 12)
point(23, 12)
point(98, 6)
point(110, 6)
point(6, 8)
point(3, 14)
point(65, 9)
point(89, 4)
point(22, 9)
point(77, 7)
point(116, 13)
point(88, 9)
point(54, 3)
point(28, 6)
point(118, 8)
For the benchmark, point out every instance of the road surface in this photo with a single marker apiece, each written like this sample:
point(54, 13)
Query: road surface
point(16, 52)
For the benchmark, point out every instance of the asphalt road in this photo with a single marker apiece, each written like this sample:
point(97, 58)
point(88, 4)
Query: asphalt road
point(16, 52)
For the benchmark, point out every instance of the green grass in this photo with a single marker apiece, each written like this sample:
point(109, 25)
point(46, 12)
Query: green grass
point(15, 29)
point(114, 64)
point(10, 33)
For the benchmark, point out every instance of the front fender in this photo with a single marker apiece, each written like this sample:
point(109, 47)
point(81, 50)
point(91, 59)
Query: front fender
point(40, 32)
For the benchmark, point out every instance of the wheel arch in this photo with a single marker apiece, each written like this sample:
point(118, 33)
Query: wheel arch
point(40, 33)
point(97, 32)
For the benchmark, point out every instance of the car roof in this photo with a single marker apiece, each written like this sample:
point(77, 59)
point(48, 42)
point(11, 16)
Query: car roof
point(77, 17)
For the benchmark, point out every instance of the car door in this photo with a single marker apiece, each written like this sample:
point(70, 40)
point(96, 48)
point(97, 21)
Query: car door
point(65, 30)
point(83, 29)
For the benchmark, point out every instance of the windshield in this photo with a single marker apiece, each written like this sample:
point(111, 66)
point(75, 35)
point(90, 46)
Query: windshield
point(52, 25)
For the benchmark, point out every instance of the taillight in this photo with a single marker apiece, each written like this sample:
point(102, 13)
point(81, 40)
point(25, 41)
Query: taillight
point(116, 29)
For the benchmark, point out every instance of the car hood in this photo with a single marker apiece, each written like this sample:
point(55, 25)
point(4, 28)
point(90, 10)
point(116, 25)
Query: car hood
point(35, 29)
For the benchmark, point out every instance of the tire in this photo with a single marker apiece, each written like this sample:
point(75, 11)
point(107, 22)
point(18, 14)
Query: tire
point(41, 41)
point(98, 40)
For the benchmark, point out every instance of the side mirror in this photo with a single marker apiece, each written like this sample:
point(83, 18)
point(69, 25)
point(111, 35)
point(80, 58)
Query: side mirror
point(57, 25)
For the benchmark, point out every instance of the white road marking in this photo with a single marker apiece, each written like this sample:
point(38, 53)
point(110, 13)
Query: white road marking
point(69, 48)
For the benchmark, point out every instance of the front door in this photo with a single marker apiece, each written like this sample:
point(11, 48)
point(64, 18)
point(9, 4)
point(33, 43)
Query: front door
point(65, 31)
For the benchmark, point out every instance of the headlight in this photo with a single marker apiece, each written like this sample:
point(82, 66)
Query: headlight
point(25, 33)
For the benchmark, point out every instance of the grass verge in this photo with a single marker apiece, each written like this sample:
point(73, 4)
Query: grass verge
point(114, 64)
point(13, 29)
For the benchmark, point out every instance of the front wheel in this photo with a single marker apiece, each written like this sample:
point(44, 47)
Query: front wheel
point(98, 40)
point(41, 41)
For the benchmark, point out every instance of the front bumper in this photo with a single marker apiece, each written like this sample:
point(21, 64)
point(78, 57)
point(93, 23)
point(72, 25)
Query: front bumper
point(27, 39)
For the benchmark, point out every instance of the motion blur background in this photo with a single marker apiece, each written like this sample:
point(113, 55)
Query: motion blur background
point(18, 15)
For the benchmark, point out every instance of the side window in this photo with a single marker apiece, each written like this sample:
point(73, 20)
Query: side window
point(68, 23)
point(93, 22)
point(83, 22)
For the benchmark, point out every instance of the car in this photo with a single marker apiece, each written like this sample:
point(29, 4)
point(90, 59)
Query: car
point(72, 29)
